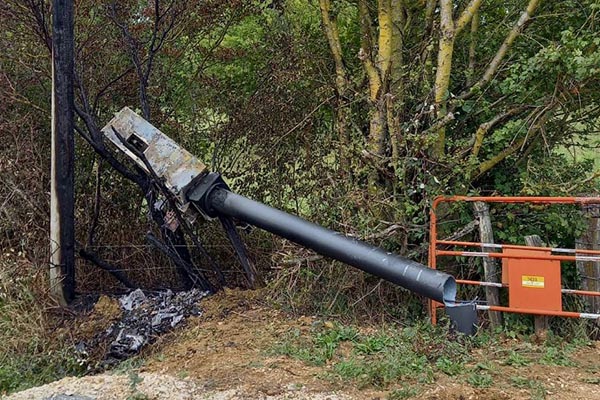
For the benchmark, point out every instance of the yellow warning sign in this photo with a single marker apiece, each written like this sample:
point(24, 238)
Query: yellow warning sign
point(529, 281)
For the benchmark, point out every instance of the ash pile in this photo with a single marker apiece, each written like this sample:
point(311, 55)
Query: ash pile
point(144, 317)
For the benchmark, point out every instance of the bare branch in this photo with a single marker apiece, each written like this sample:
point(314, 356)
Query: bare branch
point(508, 41)
point(484, 128)
point(472, 47)
point(466, 16)
point(113, 270)
point(181, 264)
point(95, 140)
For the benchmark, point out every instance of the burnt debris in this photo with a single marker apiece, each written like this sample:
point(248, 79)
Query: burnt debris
point(144, 317)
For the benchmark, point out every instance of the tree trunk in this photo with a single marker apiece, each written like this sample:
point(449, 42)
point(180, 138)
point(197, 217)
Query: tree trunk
point(449, 29)
point(395, 99)
point(490, 266)
point(444, 68)
point(342, 117)
point(62, 225)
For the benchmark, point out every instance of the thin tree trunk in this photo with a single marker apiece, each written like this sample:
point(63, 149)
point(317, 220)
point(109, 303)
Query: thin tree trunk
point(472, 48)
point(395, 99)
point(449, 29)
point(375, 66)
point(341, 82)
point(444, 68)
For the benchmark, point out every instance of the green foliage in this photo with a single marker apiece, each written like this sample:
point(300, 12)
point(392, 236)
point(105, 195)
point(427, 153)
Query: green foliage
point(449, 366)
point(593, 380)
point(517, 360)
point(129, 366)
point(557, 356)
point(386, 357)
point(557, 351)
point(403, 393)
point(250, 88)
point(322, 346)
point(134, 380)
point(30, 368)
point(480, 379)
point(399, 358)
point(536, 388)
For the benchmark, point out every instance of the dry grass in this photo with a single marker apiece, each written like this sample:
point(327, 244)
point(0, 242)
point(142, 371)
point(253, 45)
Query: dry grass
point(31, 352)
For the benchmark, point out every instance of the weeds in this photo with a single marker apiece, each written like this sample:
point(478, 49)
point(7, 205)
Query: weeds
point(134, 380)
point(33, 369)
point(536, 388)
point(129, 365)
point(557, 356)
point(419, 354)
point(558, 351)
point(480, 379)
point(380, 359)
point(449, 367)
point(516, 359)
point(591, 380)
point(519, 382)
point(403, 393)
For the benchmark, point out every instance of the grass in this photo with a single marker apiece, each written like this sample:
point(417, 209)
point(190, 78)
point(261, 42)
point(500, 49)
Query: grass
point(383, 358)
point(33, 369)
point(395, 359)
point(480, 379)
point(401, 359)
point(591, 380)
point(403, 393)
point(516, 359)
point(129, 365)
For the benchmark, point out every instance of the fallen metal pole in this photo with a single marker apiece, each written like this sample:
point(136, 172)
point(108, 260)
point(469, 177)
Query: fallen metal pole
point(198, 191)
point(401, 271)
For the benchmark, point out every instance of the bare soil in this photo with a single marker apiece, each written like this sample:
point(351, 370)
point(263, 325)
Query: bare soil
point(230, 346)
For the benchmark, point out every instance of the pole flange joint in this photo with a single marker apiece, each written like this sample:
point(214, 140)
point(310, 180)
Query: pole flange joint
point(200, 193)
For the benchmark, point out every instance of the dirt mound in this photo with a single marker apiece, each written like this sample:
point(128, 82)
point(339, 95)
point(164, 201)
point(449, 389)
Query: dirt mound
point(229, 346)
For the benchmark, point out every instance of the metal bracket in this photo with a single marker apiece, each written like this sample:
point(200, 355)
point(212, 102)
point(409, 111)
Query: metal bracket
point(463, 317)
point(240, 249)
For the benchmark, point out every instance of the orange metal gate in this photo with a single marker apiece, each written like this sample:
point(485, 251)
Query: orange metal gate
point(532, 275)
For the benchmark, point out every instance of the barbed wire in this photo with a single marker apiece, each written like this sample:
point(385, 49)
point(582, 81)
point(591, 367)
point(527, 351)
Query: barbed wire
point(143, 246)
